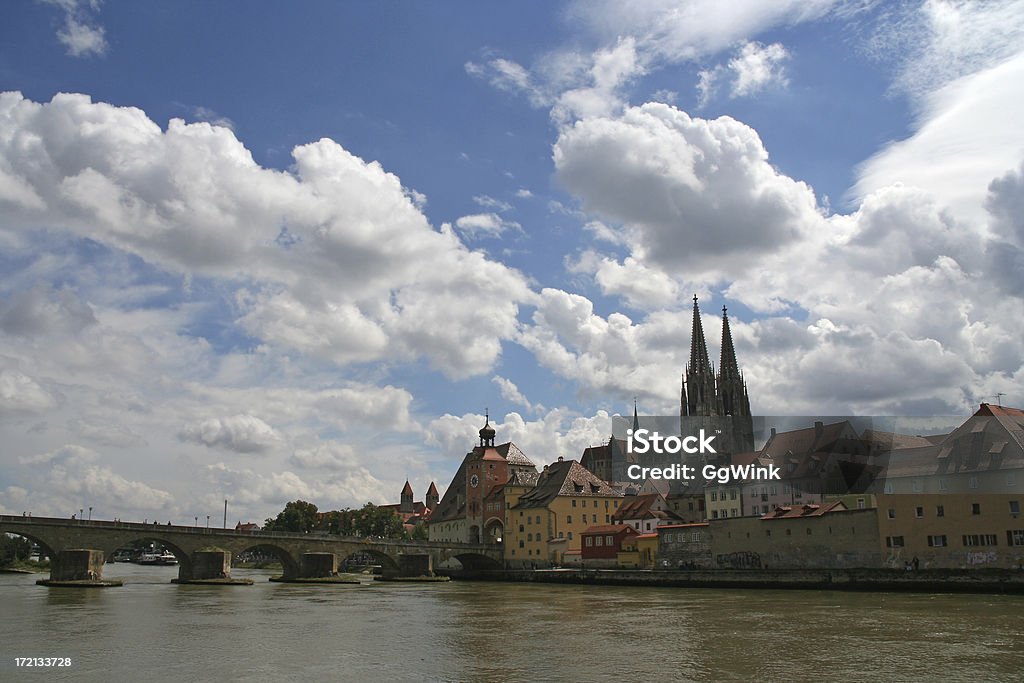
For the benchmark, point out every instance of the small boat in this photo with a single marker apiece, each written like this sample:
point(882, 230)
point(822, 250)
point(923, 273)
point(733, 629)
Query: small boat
point(163, 558)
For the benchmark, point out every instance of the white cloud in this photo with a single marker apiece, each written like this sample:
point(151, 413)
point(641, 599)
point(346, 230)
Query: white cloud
point(485, 224)
point(968, 135)
point(240, 433)
point(694, 195)
point(558, 433)
point(510, 392)
point(354, 278)
point(756, 67)
point(81, 35)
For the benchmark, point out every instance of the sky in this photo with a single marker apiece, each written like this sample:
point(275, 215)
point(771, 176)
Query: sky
point(263, 252)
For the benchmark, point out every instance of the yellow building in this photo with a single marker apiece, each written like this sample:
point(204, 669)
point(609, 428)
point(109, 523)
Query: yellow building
point(957, 503)
point(546, 522)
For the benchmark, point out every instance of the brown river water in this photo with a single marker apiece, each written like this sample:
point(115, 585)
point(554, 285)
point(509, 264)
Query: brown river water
point(152, 630)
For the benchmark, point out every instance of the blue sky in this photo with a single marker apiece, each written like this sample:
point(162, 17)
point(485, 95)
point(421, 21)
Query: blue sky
point(266, 252)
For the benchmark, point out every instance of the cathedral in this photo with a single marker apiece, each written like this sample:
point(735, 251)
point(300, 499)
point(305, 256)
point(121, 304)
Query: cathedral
point(715, 401)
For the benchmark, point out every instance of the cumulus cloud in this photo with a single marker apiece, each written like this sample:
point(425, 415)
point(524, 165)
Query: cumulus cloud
point(253, 490)
point(81, 35)
point(240, 433)
point(691, 193)
point(356, 272)
point(558, 433)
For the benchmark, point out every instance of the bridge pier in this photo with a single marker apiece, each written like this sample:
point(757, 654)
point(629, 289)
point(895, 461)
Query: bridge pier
point(209, 567)
point(413, 567)
point(315, 568)
point(77, 567)
point(318, 565)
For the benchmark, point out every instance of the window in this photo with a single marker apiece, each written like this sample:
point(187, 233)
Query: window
point(860, 503)
point(979, 539)
point(1011, 479)
point(917, 486)
point(568, 519)
point(593, 518)
point(529, 537)
point(595, 503)
point(943, 485)
point(975, 508)
point(574, 502)
point(696, 536)
point(1015, 537)
point(570, 536)
point(732, 494)
point(937, 541)
point(607, 519)
point(919, 512)
point(521, 528)
point(892, 513)
point(973, 482)
point(808, 531)
point(714, 514)
point(1014, 507)
point(714, 495)
point(789, 532)
point(600, 540)
point(734, 512)
point(940, 511)
point(889, 488)
point(522, 544)
point(538, 519)
point(609, 540)
point(893, 541)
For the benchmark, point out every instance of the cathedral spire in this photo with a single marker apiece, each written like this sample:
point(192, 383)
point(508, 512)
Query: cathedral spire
point(697, 395)
point(636, 418)
point(728, 367)
point(699, 360)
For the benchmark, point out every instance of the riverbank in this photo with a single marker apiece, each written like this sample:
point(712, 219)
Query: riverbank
point(930, 581)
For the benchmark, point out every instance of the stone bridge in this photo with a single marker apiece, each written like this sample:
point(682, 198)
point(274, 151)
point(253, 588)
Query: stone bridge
point(79, 548)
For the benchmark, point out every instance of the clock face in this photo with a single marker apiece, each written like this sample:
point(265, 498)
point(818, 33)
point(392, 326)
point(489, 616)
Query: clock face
point(474, 481)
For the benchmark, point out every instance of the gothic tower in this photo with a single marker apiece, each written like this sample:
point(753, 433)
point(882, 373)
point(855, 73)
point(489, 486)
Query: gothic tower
point(733, 400)
point(722, 397)
point(698, 397)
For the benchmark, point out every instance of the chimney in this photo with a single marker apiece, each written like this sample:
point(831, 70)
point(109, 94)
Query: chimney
point(560, 458)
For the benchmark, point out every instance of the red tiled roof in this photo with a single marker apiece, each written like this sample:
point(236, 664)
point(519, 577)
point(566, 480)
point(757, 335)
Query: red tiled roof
point(806, 510)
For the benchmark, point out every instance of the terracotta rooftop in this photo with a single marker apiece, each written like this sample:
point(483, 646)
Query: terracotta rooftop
point(565, 478)
point(610, 529)
point(807, 510)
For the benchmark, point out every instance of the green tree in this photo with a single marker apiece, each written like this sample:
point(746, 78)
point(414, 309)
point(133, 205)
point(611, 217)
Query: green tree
point(297, 515)
point(14, 549)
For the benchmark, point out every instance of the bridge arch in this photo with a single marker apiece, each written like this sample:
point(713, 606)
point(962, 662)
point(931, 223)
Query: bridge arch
point(45, 547)
point(477, 562)
point(386, 560)
point(183, 557)
point(289, 563)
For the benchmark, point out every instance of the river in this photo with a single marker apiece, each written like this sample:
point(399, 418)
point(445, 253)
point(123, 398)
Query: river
point(152, 630)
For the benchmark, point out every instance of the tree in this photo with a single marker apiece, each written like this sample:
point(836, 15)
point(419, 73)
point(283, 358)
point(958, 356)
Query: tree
point(14, 549)
point(298, 516)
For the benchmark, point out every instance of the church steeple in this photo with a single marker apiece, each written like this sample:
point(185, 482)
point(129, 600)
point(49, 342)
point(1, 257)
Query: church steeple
point(698, 392)
point(636, 418)
point(732, 392)
point(698, 347)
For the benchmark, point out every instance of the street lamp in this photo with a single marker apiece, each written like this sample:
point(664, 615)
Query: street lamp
point(197, 520)
point(81, 513)
point(90, 513)
point(207, 521)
